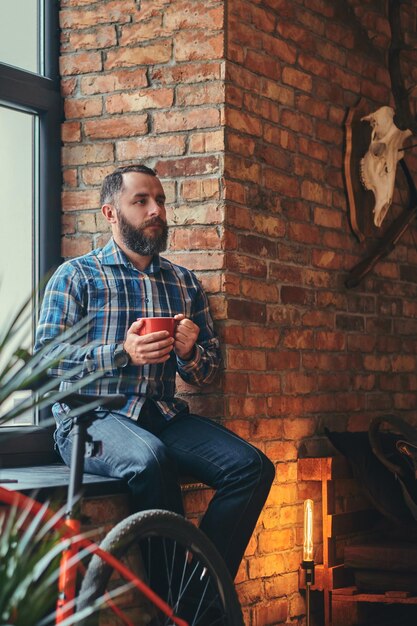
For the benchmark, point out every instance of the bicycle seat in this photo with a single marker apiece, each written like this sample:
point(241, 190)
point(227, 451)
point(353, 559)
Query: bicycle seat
point(115, 401)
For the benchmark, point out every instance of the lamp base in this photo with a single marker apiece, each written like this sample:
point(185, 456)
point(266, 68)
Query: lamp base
point(308, 566)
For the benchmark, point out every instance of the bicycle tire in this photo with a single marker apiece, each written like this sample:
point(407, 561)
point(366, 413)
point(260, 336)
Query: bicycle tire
point(207, 598)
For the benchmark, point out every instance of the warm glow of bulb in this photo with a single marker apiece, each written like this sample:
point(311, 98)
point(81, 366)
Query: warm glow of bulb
point(308, 530)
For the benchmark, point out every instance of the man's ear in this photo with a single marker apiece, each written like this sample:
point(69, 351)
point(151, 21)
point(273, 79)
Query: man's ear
point(109, 213)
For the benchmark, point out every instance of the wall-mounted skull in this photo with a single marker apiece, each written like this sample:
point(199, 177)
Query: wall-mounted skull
point(379, 164)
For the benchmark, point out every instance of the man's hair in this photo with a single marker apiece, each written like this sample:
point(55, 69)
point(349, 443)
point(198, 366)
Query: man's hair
point(113, 183)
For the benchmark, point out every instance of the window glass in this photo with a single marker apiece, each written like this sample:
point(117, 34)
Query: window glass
point(17, 236)
point(19, 34)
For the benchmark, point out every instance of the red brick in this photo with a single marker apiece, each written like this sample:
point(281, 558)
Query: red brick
point(68, 224)
point(70, 177)
point(146, 99)
point(109, 12)
point(184, 15)
point(297, 122)
point(283, 360)
point(301, 36)
point(263, 64)
point(246, 406)
point(255, 290)
point(297, 79)
point(126, 126)
point(282, 183)
point(95, 175)
point(313, 149)
point(185, 239)
point(103, 37)
point(71, 132)
point(200, 214)
point(146, 147)
point(179, 120)
point(81, 108)
point(243, 122)
point(80, 155)
point(114, 81)
point(80, 199)
point(202, 93)
point(86, 223)
point(81, 63)
point(152, 54)
point(212, 141)
point(275, 91)
point(141, 31)
point(196, 261)
point(187, 73)
point(75, 246)
point(315, 66)
point(200, 189)
point(330, 341)
point(198, 45)
point(279, 49)
point(307, 168)
point(242, 169)
point(68, 86)
point(190, 166)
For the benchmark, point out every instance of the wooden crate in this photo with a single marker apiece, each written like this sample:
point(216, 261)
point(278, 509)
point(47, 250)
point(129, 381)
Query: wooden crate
point(342, 599)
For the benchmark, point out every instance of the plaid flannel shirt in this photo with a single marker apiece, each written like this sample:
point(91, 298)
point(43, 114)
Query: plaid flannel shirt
point(105, 286)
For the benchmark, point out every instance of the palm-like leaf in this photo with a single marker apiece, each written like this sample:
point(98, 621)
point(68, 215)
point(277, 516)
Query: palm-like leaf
point(20, 370)
point(29, 549)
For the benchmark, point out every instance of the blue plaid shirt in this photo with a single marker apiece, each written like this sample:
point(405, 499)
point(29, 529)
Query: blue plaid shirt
point(105, 286)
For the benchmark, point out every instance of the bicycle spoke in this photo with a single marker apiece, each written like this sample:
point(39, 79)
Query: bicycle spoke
point(180, 565)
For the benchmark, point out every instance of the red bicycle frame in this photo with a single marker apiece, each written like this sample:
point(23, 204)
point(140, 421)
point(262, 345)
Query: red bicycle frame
point(69, 530)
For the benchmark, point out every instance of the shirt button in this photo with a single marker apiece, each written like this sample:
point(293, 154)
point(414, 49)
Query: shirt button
point(146, 299)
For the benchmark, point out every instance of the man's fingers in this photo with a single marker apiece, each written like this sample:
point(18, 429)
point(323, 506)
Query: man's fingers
point(136, 326)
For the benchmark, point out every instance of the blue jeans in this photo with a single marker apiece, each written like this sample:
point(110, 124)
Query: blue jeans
point(152, 453)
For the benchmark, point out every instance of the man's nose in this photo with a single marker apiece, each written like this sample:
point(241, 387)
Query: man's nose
point(155, 208)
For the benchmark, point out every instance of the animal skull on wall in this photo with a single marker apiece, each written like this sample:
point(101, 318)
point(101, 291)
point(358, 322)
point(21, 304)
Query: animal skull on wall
point(379, 164)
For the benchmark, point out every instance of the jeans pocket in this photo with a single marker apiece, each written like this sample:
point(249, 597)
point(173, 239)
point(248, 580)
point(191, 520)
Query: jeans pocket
point(63, 422)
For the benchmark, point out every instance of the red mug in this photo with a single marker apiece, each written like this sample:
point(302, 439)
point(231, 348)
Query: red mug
point(155, 324)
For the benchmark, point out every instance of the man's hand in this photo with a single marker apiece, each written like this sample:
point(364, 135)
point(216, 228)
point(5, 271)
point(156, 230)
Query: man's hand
point(186, 334)
point(151, 348)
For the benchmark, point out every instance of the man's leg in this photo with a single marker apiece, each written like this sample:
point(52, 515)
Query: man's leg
point(241, 474)
point(131, 453)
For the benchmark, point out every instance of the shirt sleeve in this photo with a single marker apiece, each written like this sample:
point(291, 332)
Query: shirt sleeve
point(63, 330)
point(205, 363)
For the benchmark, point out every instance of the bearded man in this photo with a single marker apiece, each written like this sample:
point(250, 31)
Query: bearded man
point(155, 438)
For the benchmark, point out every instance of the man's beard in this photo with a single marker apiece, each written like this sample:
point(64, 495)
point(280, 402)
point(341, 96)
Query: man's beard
point(136, 240)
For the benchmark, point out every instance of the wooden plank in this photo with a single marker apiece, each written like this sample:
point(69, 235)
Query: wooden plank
point(341, 596)
point(354, 521)
point(323, 468)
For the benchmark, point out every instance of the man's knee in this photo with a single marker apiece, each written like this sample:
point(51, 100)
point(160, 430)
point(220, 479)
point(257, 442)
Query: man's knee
point(267, 470)
point(156, 465)
point(262, 469)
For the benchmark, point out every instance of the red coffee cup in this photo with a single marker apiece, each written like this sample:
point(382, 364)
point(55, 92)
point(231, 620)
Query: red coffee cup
point(155, 324)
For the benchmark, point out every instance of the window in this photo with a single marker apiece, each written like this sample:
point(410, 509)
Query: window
point(30, 176)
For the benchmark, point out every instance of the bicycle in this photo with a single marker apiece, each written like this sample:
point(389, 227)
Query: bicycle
point(181, 578)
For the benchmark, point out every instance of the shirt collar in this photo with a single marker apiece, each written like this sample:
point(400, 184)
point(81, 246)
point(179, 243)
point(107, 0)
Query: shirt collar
point(111, 254)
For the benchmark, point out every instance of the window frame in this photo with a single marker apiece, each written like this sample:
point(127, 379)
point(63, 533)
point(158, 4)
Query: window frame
point(40, 95)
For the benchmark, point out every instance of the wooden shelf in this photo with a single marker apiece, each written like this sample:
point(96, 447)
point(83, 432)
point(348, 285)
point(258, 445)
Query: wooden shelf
point(351, 594)
point(343, 603)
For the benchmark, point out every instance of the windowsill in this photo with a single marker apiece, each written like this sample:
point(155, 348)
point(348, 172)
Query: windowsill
point(54, 477)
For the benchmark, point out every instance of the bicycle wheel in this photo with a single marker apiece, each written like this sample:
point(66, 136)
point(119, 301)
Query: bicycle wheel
point(177, 561)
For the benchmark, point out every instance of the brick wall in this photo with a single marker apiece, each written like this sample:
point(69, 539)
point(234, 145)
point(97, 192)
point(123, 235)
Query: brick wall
point(240, 106)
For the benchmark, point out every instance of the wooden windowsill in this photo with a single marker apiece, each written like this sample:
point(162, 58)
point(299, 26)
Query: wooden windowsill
point(56, 476)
